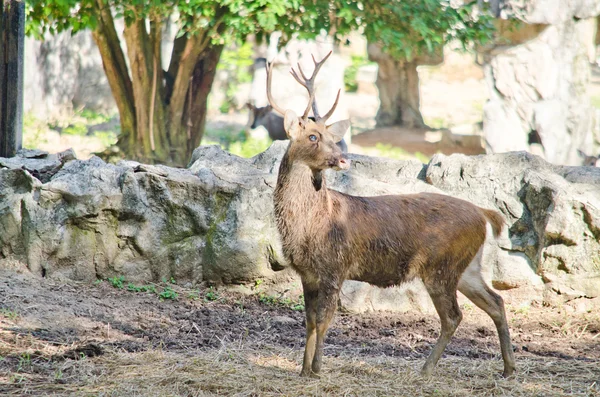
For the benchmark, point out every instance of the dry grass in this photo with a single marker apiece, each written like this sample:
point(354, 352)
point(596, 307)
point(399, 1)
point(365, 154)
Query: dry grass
point(241, 371)
point(558, 351)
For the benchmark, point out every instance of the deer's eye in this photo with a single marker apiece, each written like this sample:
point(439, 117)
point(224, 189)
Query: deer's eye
point(313, 138)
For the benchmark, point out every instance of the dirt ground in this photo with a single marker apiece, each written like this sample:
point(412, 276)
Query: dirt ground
point(95, 339)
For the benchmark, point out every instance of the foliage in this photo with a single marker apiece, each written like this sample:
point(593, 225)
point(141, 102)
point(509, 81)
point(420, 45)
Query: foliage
point(351, 71)
point(406, 29)
point(162, 113)
point(282, 301)
point(211, 295)
point(236, 62)
point(117, 282)
point(194, 16)
point(168, 293)
point(8, 314)
point(236, 141)
point(142, 288)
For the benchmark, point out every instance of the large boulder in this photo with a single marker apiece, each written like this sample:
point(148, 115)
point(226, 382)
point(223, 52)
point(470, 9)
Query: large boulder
point(538, 75)
point(214, 221)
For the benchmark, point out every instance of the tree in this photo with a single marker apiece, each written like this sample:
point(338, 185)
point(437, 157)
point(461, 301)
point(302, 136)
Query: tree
point(405, 34)
point(163, 112)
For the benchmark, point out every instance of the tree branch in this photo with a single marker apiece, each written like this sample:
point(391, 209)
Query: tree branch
point(113, 61)
point(188, 58)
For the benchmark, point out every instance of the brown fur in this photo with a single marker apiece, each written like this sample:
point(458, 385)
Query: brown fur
point(330, 237)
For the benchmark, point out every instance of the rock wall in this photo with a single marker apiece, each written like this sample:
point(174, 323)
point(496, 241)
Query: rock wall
point(214, 222)
point(538, 75)
point(63, 73)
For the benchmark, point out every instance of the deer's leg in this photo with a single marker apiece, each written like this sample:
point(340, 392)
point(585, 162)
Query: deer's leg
point(327, 304)
point(473, 287)
point(310, 304)
point(444, 300)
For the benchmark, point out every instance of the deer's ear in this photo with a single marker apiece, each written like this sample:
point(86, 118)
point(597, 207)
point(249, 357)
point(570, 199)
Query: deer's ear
point(291, 124)
point(338, 129)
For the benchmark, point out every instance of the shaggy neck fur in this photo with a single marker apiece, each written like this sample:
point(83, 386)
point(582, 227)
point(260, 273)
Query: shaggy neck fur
point(302, 202)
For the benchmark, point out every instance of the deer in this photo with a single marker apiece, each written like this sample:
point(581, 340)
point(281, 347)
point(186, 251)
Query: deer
point(273, 123)
point(328, 236)
point(589, 161)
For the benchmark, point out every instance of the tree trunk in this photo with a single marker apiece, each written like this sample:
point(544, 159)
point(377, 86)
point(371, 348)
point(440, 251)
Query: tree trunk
point(115, 68)
point(187, 131)
point(398, 84)
point(162, 116)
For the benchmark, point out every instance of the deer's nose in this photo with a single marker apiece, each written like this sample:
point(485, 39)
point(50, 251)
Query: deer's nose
point(343, 164)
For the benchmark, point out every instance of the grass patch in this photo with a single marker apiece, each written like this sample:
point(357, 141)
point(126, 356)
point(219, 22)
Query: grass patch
point(241, 371)
point(167, 293)
point(282, 301)
point(236, 141)
point(393, 152)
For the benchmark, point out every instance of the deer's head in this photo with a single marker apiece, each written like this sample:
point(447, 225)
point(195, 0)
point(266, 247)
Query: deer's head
point(257, 114)
point(312, 141)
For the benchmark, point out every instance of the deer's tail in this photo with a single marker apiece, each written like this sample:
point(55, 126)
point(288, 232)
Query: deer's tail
point(495, 219)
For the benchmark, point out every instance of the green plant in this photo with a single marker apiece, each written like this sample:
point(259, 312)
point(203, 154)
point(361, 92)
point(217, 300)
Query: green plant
point(235, 62)
point(9, 314)
point(176, 125)
point(167, 293)
point(142, 288)
point(249, 147)
point(93, 117)
point(34, 131)
point(78, 128)
point(436, 122)
point(116, 282)
point(211, 295)
point(24, 361)
point(194, 295)
point(107, 138)
point(352, 70)
point(272, 300)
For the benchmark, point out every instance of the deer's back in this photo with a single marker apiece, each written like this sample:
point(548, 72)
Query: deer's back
point(386, 240)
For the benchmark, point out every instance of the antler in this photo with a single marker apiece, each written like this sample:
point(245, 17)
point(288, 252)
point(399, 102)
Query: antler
point(309, 84)
point(269, 67)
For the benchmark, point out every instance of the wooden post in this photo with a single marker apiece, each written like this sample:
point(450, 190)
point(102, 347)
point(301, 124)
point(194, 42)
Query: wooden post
point(12, 44)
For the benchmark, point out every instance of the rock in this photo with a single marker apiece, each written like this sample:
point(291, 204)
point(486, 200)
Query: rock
point(38, 162)
point(552, 214)
point(538, 77)
point(214, 220)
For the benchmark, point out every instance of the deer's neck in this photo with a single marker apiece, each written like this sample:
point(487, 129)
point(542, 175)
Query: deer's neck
point(301, 198)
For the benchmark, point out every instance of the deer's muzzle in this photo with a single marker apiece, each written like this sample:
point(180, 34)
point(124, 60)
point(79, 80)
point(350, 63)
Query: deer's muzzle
point(341, 164)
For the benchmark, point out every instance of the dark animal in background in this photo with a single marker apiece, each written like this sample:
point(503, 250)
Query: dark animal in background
point(590, 161)
point(330, 237)
point(265, 116)
point(273, 123)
